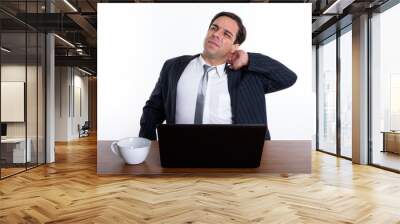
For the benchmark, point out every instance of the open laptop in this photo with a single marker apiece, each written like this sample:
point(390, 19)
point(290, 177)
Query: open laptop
point(211, 145)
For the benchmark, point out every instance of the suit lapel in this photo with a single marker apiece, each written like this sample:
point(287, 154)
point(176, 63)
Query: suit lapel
point(233, 80)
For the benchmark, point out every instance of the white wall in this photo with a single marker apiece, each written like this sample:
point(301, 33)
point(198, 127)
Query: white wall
point(134, 40)
point(61, 103)
point(80, 83)
point(67, 80)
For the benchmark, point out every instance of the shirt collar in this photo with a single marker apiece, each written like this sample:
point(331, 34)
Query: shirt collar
point(220, 68)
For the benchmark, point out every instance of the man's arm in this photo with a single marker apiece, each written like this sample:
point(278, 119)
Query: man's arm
point(275, 75)
point(153, 111)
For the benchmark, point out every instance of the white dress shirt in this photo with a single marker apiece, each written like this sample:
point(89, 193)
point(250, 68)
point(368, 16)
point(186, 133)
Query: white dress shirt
point(217, 105)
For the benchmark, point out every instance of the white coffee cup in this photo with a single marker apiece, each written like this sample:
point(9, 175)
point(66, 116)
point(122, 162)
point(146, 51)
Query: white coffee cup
point(132, 150)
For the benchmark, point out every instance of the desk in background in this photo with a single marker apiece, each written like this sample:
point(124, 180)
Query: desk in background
point(13, 150)
point(279, 156)
point(391, 141)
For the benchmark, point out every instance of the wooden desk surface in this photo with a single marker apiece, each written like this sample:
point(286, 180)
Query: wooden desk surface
point(279, 156)
point(14, 140)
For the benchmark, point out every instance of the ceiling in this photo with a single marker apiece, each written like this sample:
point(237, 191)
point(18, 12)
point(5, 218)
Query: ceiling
point(76, 22)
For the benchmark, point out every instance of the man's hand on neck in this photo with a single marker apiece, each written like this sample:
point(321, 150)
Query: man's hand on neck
point(238, 59)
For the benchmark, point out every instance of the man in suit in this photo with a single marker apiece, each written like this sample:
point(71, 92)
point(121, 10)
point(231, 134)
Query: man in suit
point(222, 85)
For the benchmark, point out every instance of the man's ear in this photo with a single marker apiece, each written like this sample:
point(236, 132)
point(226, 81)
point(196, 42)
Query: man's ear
point(235, 47)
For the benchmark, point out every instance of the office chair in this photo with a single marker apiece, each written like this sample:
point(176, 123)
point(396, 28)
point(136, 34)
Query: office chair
point(84, 130)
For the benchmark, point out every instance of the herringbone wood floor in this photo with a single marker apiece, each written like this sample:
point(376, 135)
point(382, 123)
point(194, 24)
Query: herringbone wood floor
point(69, 191)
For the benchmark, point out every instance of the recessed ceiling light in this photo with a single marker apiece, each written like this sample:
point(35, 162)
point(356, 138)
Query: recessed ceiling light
point(64, 40)
point(338, 6)
point(70, 5)
point(84, 71)
point(5, 50)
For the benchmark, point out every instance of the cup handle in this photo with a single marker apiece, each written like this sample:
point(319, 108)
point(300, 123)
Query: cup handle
point(114, 148)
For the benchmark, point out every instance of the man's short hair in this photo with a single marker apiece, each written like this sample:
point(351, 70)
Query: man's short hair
point(241, 34)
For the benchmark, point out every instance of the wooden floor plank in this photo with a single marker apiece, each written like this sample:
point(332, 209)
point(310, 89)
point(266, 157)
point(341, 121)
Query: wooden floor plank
point(69, 191)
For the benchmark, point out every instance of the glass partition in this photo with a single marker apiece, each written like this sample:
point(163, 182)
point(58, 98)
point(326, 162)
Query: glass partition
point(22, 63)
point(32, 95)
point(327, 96)
point(41, 91)
point(13, 110)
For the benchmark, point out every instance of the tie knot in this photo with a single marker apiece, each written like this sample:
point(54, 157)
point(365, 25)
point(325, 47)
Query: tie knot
point(207, 68)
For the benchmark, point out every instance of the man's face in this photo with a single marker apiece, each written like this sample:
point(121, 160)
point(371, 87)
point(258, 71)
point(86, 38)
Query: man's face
point(221, 35)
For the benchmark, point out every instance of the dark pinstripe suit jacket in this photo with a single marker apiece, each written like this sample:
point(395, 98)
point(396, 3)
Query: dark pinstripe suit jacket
point(246, 86)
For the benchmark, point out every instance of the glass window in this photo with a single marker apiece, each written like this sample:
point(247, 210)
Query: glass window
point(327, 96)
point(346, 94)
point(385, 87)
